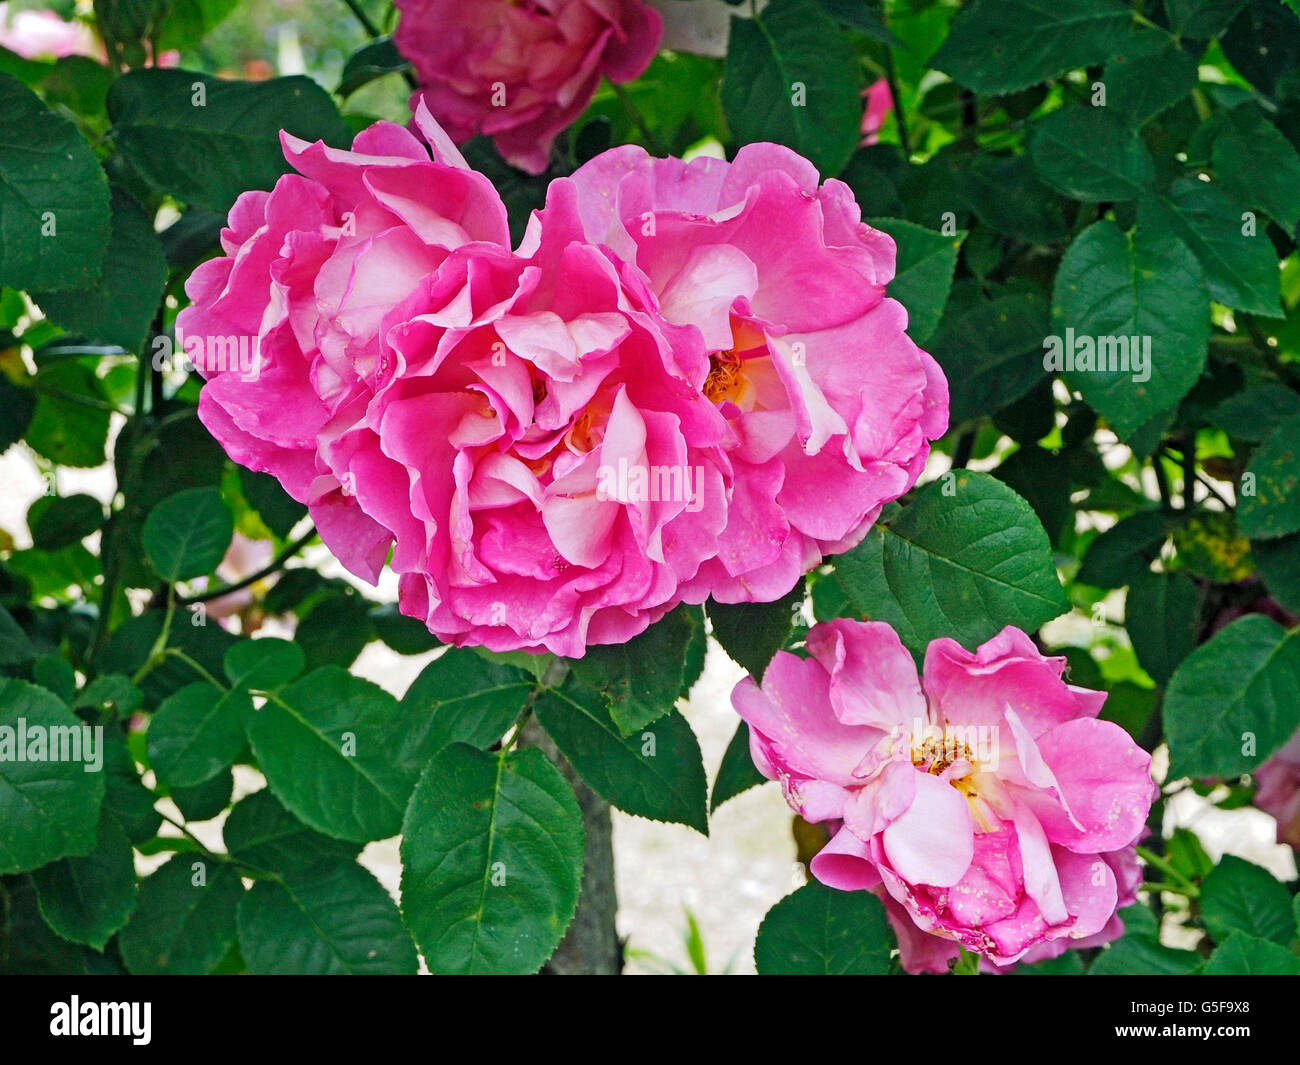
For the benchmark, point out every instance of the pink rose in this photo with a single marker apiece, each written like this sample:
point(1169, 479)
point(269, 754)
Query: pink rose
point(985, 802)
point(879, 102)
point(520, 71)
point(286, 326)
point(43, 35)
point(1278, 791)
point(830, 407)
point(515, 428)
point(549, 475)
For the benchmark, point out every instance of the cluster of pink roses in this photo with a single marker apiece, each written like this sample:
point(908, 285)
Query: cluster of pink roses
point(983, 802)
point(686, 382)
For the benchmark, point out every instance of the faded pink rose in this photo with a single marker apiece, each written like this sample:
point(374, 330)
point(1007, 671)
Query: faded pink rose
point(43, 35)
point(520, 71)
point(830, 407)
point(1278, 791)
point(482, 414)
point(879, 103)
point(984, 801)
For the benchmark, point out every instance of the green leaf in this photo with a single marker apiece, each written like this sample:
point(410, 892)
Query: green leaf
point(187, 534)
point(1238, 896)
point(1258, 164)
point(963, 564)
point(279, 511)
point(208, 800)
point(16, 649)
point(1232, 702)
point(751, 633)
point(1006, 193)
point(263, 664)
point(1089, 154)
point(129, 645)
point(57, 674)
point(459, 697)
point(54, 215)
point(1263, 44)
point(120, 307)
point(492, 859)
point(923, 277)
point(1139, 87)
point(204, 140)
point(264, 834)
point(1161, 614)
point(1140, 318)
point(57, 521)
point(325, 745)
point(185, 920)
point(50, 800)
point(28, 947)
point(1122, 553)
point(737, 773)
point(862, 16)
point(1272, 508)
point(818, 931)
point(1141, 956)
point(657, 773)
point(1255, 411)
point(125, 796)
point(70, 424)
point(1000, 46)
point(1201, 19)
point(196, 733)
point(17, 405)
point(640, 679)
point(86, 900)
point(1186, 854)
point(189, 21)
point(333, 920)
point(405, 635)
point(372, 60)
point(335, 631)
point(1240, 270)
point(991, 352)
point(791, 77)
point(1278, 564)
point(1245, 955)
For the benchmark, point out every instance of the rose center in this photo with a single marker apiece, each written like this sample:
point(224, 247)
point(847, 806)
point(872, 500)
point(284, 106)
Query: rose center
point(725, 380)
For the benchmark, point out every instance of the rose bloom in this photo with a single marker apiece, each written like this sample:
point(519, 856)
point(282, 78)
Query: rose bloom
point(1278, 791)
point(879, 103)
point(513, 427)
point(830, 406)
point(520, 71)
point(285, 325)
point(983, 802)
point(43, 35)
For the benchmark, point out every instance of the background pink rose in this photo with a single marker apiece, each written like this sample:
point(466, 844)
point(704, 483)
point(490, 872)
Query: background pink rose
point(520, 72)
point(830, 406)
point(43, 35)
point(984, 801)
